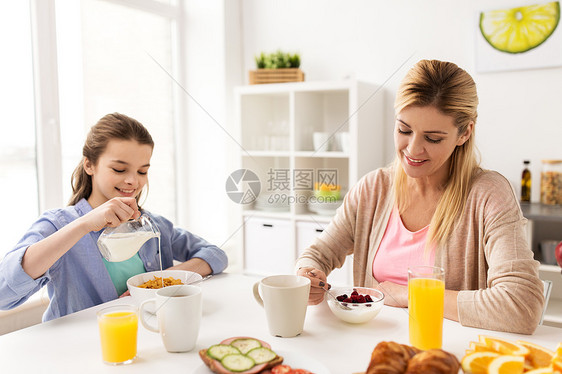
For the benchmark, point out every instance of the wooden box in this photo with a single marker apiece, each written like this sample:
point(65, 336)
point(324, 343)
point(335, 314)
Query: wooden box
point(262, 76)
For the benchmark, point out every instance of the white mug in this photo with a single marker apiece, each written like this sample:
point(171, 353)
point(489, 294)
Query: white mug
point(322, 141)
point(342, 139)
point(178, 311)
point(285, 299)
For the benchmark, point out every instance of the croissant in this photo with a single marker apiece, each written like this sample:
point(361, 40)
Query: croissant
point(433, 361)
point(390, 358)
point(394, 358)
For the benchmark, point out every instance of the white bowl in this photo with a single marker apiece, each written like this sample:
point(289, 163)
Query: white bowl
point(141, 294)
point(359, 313)
point(324, 208)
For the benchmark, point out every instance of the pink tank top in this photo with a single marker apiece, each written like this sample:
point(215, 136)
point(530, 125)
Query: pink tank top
point(399, 249)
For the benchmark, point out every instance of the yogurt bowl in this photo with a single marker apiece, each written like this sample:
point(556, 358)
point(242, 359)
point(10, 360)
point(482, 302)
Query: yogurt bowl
point(141, 294)
point(356, 312)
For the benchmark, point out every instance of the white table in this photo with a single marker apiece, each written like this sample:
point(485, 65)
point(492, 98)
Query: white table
point(71, 344)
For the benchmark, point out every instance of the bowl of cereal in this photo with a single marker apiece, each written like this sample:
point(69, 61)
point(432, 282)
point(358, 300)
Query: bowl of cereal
point(356, 304)
point(144, 286)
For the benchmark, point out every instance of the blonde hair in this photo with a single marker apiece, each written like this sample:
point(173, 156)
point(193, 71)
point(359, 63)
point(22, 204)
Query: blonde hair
point(452, 91)
point(111, 126)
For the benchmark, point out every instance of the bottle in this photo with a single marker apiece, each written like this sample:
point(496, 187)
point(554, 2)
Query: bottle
point(526, 183)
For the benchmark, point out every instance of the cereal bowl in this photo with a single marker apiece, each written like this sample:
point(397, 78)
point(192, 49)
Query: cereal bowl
point(141, 294)
point(359, 312)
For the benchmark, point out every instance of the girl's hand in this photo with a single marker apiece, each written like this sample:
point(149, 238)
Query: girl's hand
point(394, 294)
point(112, 213)
point(318, 282)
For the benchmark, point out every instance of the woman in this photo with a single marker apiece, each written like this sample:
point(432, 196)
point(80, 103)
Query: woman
point(435, 206)
point(60, 251)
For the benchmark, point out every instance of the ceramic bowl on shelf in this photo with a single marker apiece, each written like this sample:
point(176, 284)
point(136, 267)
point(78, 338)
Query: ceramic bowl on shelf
point(327, 208)
point(359, 312)
point(141, 294)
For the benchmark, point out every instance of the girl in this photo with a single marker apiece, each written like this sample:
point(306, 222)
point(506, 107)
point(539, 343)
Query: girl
point(60, 250)
point(435, 206)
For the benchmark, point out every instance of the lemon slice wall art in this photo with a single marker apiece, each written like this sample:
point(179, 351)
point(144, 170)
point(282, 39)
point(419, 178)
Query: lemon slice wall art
point(525, 36)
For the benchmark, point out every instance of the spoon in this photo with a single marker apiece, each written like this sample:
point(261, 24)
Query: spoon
point(344, 307)
point(200, 280)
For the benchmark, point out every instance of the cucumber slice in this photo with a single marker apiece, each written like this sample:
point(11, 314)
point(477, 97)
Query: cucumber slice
point(245, 345)
point(237, 362)
point(218, 351)
point(261, 355)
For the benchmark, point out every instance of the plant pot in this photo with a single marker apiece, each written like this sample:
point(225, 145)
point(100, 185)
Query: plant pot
point(262, 76)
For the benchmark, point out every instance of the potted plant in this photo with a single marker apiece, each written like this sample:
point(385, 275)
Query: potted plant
point(277, 67)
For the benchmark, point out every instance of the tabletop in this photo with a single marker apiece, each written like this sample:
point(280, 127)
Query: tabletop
point(71, 344)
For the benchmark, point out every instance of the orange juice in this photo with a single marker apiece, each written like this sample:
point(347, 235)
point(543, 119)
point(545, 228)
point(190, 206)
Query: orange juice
point(118, 333)
point(425, 303)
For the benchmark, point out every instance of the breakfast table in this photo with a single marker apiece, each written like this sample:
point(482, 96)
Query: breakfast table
point(71, 344)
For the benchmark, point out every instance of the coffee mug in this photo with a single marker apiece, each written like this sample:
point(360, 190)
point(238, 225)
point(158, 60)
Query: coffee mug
point(322, 141)
point(178, 311)
point(285, 299)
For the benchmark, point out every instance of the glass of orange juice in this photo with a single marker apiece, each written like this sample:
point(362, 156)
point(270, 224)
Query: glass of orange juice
point(426, 293)
point(118, 333)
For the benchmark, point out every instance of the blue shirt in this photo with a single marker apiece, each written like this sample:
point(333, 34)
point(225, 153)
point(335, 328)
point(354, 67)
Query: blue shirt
point(79, 279)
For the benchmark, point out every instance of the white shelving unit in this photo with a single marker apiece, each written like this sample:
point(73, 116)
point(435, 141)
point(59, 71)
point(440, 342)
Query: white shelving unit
point(545, 223)
point(276, 124)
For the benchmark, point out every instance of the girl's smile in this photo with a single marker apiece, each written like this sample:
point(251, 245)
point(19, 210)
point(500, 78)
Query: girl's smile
point(121, 171)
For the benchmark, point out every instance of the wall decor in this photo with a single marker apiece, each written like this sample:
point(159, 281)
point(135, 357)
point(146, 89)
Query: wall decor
point(523, 37)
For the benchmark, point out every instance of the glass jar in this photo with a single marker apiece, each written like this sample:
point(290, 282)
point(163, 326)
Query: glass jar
point(551, 182)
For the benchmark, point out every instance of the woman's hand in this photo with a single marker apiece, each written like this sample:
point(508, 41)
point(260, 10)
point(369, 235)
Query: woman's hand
point(318, 282)
point(112, 213)
point(394, 294)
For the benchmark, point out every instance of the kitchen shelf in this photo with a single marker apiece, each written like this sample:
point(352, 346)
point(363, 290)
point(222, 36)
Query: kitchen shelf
point(551, 268)
point(265, 213)
point(313, 218)
point(545, 223)
point(276, 123)
point(542, 212)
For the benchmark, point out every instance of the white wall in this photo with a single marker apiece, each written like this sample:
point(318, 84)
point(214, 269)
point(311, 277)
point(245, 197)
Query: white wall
point(520, 112)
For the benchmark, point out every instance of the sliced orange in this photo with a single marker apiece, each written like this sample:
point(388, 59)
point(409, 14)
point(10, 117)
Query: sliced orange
point(506, 365)
point(539, 357)
point(557, 359)
point(480, 347)
point(546, 370)
point(504, 346)
point(557, 365)
point(477, 362)
point(559, 350)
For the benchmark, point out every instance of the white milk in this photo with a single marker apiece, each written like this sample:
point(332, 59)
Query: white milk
point(122, 246)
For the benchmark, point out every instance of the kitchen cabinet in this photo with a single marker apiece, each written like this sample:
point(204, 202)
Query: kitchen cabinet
point(276, 125)
point(545, 223)
point(266, 243)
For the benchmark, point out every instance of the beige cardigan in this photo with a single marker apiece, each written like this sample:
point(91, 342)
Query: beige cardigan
point(487, 257)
